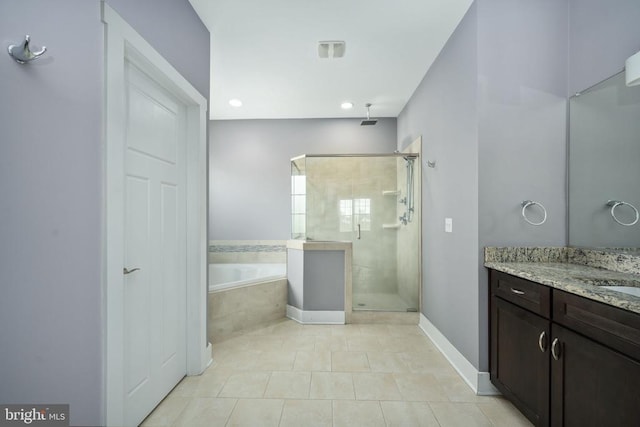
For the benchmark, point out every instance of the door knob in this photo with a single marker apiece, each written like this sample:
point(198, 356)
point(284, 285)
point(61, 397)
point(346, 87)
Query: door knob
point(127, 271)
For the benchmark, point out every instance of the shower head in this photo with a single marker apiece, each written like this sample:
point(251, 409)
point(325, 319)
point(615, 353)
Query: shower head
point(368, 121)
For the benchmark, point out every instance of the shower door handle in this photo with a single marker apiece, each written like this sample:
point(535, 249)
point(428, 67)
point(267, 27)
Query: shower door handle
point(358, 232)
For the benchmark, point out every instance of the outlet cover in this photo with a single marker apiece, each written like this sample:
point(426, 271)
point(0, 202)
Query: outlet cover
point(448, 225)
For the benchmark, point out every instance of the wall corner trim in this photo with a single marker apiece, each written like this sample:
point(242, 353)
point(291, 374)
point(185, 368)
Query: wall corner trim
point(478, 381)
point(315, 317)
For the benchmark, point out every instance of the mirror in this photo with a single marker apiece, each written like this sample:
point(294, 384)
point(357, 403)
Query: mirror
point(604, 166)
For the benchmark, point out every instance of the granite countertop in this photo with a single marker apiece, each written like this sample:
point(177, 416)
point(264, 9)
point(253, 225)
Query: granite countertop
point(578, 277)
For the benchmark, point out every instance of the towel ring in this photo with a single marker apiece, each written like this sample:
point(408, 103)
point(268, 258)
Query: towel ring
point(526, 204)
point(614, 204)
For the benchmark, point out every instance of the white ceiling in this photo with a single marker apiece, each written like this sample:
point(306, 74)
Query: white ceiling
point(264, 52)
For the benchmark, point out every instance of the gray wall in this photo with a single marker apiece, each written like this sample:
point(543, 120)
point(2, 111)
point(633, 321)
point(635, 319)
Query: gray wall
point(51, 323)
point(249, 168)
point(522, 63)
point(492, 114)
point(602, 35)
point(443, 110)
point(174, 29)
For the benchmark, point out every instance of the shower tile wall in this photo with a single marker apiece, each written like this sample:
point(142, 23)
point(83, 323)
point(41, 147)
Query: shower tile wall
point(332, 181)
point(409, 235)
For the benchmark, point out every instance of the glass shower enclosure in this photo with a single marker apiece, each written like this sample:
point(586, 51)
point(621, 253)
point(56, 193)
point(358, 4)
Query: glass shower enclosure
point(374, 202)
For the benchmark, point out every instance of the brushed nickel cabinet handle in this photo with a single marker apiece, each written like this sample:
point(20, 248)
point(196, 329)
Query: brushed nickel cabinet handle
point(555, 349)
point(517, 291)
point(127, 271)
point(542, 341)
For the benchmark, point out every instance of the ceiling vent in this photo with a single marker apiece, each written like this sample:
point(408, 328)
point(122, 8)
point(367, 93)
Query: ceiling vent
point(331, 49)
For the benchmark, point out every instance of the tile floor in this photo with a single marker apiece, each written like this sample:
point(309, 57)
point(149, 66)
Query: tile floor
point(289, 374)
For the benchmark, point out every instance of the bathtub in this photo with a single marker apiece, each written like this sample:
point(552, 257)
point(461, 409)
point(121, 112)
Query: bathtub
point(228, 276)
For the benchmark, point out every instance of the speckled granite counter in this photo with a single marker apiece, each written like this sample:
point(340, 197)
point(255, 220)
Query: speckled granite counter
point(578, 271)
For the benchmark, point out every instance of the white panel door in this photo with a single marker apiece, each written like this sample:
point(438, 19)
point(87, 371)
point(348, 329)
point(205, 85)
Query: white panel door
point(155, 243)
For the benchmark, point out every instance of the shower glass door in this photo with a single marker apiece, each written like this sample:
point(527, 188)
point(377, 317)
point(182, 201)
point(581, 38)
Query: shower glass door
point(357, 199)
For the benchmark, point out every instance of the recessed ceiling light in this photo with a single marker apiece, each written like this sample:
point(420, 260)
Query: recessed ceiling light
point(235, 103)
point(346, 105)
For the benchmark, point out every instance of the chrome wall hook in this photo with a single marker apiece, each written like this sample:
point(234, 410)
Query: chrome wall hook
point(23, 54)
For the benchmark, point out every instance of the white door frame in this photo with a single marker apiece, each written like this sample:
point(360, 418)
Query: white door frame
point(123, 43)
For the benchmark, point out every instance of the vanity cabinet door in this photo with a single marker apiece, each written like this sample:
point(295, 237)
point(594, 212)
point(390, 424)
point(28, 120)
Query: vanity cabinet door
point(591, 384)
point(519, 365)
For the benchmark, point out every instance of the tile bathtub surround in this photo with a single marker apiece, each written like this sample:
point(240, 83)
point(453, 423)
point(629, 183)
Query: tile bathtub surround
point(247, 251)
point(235, 311)
point(289, 374)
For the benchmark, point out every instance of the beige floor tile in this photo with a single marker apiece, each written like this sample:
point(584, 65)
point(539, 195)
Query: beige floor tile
point(316, 330)
point(206, 412)
point(331, 385)
point(427, 363)
point(275, 361)
point(502, 413)
point(282, 373)
point(211, 382)
point(353, 413)
point(245, 384)
point(299, 343)
point(364, 343)
point(266, 343)
point(375, 386)
point(244, 360)
point(286, 328)
point(457, 390)
point(405, 344)
point(377, 330)
point(288, 385)
point(401, 330)
point(450, 414)
point(312, 361)
point(403, 414)
point(188, 386)
point(348, 330)
point(256, 412)
point(386, 362)
point(331, 343)
point(420, 387)
point(349, 361)
point(308, 413)
point(166, 413)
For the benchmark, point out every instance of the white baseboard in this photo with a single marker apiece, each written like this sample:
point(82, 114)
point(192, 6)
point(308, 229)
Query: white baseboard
point(478, 381)
point(312, 317)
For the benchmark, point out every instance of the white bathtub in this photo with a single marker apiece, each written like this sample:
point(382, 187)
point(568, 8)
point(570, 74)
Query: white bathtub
point(228, 276)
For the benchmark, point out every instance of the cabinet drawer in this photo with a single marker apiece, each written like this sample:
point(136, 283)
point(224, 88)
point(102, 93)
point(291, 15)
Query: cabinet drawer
point(524, 293)
point(611, 326)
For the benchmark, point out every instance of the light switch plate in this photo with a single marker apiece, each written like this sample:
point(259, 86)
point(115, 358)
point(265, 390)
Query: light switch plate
point(448, 225)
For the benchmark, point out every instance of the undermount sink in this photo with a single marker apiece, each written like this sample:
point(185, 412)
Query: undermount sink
point(629, 287)
point(631, 290)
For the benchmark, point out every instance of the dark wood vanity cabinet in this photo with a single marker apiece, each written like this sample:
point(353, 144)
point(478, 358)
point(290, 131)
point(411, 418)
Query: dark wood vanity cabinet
point(563, 360)
point(519, 360)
